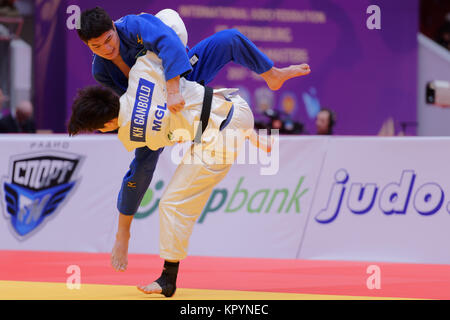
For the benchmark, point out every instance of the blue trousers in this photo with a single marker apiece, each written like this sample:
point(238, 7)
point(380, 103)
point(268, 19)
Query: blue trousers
point(213, 53)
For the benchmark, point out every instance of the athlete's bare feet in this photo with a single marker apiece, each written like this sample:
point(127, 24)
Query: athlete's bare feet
point(153, 287)
point(119, 254)
point(276, 77)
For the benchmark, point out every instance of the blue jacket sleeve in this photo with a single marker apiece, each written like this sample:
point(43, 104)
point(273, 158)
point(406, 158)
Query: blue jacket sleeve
point(149, 31)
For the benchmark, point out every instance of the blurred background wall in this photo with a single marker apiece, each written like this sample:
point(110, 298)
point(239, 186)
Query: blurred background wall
point(364, 75)
point(372, 78)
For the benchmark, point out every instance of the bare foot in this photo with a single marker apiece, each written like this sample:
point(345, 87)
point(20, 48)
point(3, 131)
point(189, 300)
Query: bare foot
point(276, 77)
point(153, 287)
point(119, 254)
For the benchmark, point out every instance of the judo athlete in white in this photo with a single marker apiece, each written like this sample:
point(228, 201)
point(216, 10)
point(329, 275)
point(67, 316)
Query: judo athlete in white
point(143, 119)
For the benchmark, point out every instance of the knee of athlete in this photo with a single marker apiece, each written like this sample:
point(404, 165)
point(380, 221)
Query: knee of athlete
point(164, 203)
point(138, 178)
point(235, 33)
point(229, 36)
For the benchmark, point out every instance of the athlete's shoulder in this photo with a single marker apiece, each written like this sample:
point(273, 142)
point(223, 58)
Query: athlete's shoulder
point(123, 21)
point(130, 27)
point(131, 21)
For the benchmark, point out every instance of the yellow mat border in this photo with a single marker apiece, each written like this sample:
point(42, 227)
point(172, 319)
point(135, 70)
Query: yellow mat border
point(24, 290)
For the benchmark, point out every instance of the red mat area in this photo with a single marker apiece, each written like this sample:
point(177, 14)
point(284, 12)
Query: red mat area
point(268, 275)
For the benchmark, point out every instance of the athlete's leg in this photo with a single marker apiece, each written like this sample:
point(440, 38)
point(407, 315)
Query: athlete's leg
point(214, 52)
point(134, 185)
point(187, 193)
point(179, 208)
point(137, 180)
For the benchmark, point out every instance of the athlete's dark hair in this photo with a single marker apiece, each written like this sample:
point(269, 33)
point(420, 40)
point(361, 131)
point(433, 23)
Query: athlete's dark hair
point(92, 108)
point(93, 23)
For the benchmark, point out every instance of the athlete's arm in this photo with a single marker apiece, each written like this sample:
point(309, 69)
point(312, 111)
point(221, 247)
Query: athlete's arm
point(157, 37)
point(175, 101)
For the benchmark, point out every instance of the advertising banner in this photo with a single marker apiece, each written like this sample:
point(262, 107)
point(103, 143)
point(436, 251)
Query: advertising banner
point(381, 200)
point(359, 199)
point(249, 213)
point(60, 193)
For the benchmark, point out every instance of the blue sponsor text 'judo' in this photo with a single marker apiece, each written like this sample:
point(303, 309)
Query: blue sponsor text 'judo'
point(394, 198)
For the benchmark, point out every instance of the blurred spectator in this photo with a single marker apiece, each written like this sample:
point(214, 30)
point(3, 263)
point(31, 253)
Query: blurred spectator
point(433, 16)
point(325, 121)
point(22, 122)
point(274, 119)
point(8, 8)
point(279, 120)
point(264, 102)
point(443, 34)
point(288, 106)
point(387, 128)
point(3, 99)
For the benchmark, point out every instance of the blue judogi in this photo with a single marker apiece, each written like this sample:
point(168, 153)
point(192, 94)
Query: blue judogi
point(138, 33)
point(142, 32)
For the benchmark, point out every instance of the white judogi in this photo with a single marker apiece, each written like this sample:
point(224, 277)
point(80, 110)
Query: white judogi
point(144, 120)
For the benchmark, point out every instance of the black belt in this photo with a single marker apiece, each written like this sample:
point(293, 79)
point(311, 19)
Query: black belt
point(204, 116)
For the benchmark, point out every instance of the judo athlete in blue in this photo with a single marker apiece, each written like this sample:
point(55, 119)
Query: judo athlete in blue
point(117, 45)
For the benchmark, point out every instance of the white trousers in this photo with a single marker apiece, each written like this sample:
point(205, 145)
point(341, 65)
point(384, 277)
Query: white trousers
point(191, 186)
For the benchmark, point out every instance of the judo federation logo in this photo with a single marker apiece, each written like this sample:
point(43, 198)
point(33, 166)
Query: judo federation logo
point(38, 184)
